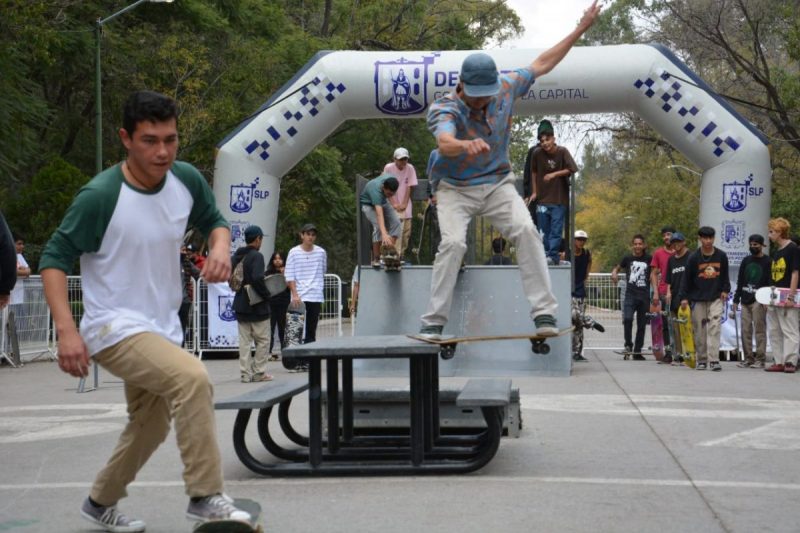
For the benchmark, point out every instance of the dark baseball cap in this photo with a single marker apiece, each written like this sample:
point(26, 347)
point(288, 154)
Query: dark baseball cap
point(252, 233)
point(755, 237)
point(479, 75)
point(677, 236)
point(706, 231)
point(308, 227)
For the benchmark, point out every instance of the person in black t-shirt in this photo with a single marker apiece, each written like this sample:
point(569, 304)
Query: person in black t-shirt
point(784, 330)
point(637, 294)
point(498, 253)
point(754, 273)
point(676, 267)
point(706, 286)
point(582, 263)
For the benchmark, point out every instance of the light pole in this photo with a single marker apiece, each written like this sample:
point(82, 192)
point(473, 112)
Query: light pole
point(98, 104)
point(687, 169)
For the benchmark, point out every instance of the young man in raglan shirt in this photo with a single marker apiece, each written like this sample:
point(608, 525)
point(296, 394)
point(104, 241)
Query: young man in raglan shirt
point(706, 286)
point(754, 273)
point(784, 334)
point(471, 173)
point(658, 267)
point(676, 268)
point(126, 226)
point(406, 176)
point(637, 294)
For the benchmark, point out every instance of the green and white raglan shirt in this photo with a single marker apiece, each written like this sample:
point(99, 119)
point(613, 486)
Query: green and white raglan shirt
point(129, 241)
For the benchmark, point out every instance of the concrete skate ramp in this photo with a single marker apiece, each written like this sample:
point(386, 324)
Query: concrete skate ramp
point(488, 300)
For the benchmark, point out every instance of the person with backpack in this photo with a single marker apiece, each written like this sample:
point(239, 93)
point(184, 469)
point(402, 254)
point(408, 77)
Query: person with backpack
point(251, 305)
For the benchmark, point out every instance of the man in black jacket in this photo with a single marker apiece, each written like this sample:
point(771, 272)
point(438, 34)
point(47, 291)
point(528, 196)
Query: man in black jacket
point(251, 305)
point(754, 273)
point(8, 263)
point(706, 285)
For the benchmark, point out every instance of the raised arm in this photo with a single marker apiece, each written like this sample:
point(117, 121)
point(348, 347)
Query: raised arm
point(548, 59)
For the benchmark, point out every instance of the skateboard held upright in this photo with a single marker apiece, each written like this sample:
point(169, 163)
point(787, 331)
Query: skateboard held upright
point(295, 323)
point(684, 321)
point(390, 258)
point(657, 329)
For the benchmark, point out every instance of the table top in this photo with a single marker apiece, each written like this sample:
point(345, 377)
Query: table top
point(363, 347)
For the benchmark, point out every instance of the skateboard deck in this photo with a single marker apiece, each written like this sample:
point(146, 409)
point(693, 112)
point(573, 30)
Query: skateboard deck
point(684, 321)
point(390, 258)
point(448, 342)
point(776, 297)
point(235, 526)
point(295, 321)
point(627, 355)
point(657, 330)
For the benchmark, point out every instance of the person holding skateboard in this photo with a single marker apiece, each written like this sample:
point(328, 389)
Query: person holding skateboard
point(658, 269)
point(386, 225)
point(406, 176)
point(673, 276)
point(706, 286)
point(126, 225)
point(784, 334)
point(754, 273)
point(472, 176)
point(305, 270)
point(637, 295)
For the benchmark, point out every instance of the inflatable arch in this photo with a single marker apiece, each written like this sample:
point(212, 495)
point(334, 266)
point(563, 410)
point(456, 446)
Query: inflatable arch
point(646, 79)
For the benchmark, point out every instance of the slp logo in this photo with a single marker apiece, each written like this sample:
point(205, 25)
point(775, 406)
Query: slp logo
point(226, 308)
point(401, 87)
point(735, 194)
point(733, 233)
point(242, 196)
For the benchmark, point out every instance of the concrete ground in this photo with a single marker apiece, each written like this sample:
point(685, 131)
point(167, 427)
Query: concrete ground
point(618, 446)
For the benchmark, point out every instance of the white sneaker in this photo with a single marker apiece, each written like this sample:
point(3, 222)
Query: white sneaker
point(110, 519)
point(216, 507)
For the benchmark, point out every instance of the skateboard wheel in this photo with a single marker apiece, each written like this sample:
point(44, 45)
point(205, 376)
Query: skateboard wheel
point(447, 352)
point(544, 349)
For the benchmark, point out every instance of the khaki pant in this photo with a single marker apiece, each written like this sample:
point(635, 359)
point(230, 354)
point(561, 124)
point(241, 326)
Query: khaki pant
point(784, 335)
point(162, 382)
point(249, 332)
point(402, 243)
point(754, 321)
point(706, 324)
point(503, 206)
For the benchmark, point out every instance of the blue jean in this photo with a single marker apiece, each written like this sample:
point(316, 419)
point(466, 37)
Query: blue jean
point(550, 219)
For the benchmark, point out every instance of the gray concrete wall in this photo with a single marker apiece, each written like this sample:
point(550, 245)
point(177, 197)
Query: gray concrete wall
point(488, 300)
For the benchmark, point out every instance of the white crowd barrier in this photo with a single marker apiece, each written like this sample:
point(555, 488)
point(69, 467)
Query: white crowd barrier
point(32, 324)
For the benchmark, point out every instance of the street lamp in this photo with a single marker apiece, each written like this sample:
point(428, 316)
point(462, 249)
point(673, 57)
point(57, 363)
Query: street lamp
point(98, 105)
point(687, 169)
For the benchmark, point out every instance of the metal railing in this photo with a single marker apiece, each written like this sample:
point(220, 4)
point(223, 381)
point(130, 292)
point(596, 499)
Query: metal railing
point(604, 304)
point(31, 322)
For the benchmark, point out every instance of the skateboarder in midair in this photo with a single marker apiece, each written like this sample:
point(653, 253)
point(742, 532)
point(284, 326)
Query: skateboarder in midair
point(472, 176)
point(126, 225)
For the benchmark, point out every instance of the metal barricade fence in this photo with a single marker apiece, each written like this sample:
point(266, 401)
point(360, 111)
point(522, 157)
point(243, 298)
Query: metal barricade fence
point(604, 304)
point(221, 339)
point(31, 321)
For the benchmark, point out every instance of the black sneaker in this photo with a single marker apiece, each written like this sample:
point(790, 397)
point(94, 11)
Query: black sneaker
point(677, 360)
point(578, 358)
point(666, 360)
point(715, 366)
point(638, 357)
point(433, 333)
point(545, 325)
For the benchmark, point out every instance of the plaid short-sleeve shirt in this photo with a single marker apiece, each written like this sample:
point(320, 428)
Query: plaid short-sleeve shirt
point(450, 114)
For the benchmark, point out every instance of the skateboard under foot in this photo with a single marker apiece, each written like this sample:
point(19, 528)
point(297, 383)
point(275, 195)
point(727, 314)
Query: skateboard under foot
point(235, 526)
point(448, 343)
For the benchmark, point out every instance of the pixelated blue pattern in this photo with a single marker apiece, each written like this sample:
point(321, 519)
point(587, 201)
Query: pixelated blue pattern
point(283, 124)
point(672, 96)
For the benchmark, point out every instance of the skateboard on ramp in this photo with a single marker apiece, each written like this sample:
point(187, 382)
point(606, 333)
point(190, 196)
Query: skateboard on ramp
point(391, 259)
point(776, 297)
point(448, 343)
point(235, 526)
point(684, 322)
point(657, 330)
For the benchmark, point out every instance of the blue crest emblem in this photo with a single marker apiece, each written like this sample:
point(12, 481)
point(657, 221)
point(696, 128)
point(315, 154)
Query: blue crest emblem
point(401, 87)
point(733, 233)
point(241, 199)
point(734, 196)
point(226, 308)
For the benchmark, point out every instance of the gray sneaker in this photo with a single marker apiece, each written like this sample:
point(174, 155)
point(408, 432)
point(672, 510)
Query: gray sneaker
point(110, 519)
point(215, 507)
point(545, 325)
point(433, 333)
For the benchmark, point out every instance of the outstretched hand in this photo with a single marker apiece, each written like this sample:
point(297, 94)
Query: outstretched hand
point(589, 15)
